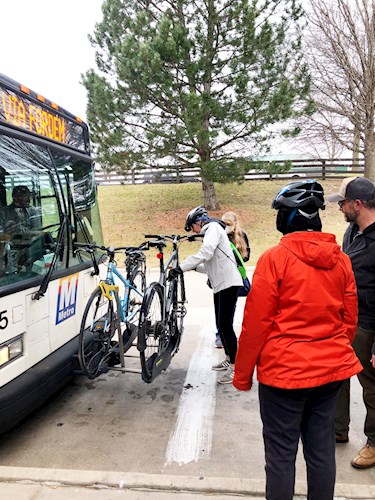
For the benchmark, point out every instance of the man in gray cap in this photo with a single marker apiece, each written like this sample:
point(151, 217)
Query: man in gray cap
point(356, 199)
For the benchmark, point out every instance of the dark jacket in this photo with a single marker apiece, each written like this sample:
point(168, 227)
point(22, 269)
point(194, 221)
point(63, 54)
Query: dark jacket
point(361, 250)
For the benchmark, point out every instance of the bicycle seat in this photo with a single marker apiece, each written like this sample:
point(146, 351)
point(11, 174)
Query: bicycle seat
point(133, 251)
point(158, 244)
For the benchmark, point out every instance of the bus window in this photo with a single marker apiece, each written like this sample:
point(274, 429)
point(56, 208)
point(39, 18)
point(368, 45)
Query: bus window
point(29, 228)
point(29, 218)
point(78, 181)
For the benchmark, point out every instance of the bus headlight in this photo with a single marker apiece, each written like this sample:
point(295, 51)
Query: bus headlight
point(10, 350)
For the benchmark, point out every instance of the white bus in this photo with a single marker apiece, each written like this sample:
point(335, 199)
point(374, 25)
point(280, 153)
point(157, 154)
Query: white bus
point(48, 201)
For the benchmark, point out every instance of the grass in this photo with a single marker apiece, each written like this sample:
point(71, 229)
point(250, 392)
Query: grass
point(129, 212)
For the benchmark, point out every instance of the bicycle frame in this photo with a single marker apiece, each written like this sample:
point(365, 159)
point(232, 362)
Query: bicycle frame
point(123, 297)
point(172, 261)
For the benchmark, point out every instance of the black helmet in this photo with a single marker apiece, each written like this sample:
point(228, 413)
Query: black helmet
point(299, 194)
point(198, 213)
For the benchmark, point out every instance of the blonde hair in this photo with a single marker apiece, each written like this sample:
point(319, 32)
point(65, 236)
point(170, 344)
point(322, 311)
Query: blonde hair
point(231, 220)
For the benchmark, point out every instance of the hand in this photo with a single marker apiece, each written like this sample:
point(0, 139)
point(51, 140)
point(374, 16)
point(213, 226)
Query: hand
point(373, 360)
point(174, 272)
point(242, 386)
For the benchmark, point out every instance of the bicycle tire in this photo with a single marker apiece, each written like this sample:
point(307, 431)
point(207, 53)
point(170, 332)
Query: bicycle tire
point(95, 336)
point(177, 314)
point(134, 300)
point(151, 329)
point(138, 278)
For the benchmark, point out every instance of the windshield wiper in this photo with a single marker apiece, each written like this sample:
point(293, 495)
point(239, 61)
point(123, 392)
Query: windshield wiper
point(47, 278)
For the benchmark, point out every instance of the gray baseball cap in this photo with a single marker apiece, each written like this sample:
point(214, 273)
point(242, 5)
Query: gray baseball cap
point(354, 188)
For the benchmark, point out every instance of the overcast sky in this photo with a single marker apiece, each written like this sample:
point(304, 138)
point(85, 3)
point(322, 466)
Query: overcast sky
point(44, 45)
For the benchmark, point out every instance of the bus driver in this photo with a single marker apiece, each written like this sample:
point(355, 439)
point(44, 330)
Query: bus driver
point(17, 220)
point(19, 216)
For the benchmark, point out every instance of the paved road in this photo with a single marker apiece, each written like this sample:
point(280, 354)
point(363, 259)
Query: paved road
point(183, 429)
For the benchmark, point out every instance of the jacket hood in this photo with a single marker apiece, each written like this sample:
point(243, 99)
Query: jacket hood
point(212, 220)
point(314, 248)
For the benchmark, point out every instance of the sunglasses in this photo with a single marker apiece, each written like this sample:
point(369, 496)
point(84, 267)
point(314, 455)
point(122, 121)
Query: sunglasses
point(342, 202)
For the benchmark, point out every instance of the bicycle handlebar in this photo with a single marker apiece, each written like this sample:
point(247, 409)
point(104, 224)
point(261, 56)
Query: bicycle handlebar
point(173, 237)
point(89, 247)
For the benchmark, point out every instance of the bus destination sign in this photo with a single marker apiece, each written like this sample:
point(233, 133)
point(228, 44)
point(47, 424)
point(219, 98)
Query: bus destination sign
point(25, 114)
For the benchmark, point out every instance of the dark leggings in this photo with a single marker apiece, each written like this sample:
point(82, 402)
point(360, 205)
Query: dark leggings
point(225, 305)
point(287, 415)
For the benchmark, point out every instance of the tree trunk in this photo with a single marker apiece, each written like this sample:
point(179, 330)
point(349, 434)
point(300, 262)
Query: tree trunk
point(370, 162)
point(209, 195)
point(370, 156)
point(356, 145)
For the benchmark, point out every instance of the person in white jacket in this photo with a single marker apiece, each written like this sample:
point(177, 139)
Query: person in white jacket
point(216, 259)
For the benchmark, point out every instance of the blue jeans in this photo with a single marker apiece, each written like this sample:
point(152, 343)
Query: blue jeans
point(287, 415)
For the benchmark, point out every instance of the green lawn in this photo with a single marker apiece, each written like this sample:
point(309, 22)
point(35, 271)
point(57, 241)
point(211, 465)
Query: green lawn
point(128, 212)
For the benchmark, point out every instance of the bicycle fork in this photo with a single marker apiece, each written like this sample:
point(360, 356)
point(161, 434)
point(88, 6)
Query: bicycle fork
point(110, 292)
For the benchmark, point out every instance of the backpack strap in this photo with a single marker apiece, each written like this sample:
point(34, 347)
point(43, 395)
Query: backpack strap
point(239, 260)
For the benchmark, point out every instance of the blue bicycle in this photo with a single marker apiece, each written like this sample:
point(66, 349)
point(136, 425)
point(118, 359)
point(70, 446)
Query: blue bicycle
point(110, 320)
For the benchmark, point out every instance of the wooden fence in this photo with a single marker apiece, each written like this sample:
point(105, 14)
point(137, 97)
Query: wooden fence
point(315, 168)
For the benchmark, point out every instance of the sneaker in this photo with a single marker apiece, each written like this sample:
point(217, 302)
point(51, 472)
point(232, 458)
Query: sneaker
point(365, 458)
point(218, 343)
point(220, 367)
point(228, 377)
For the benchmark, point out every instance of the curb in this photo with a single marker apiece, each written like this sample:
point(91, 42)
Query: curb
point(161, 482)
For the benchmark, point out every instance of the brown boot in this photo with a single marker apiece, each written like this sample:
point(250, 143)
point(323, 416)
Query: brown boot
point(365, 458)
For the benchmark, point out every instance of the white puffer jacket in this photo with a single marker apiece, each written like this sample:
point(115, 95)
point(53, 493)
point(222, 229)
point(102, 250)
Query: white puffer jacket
point(215, 258)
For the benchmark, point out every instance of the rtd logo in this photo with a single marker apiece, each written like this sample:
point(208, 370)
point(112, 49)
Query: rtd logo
point(67, 298)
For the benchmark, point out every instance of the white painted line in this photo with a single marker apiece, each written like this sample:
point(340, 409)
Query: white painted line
point(191, 438)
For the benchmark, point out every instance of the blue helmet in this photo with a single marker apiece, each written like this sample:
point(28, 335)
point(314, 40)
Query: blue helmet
point(299, 194)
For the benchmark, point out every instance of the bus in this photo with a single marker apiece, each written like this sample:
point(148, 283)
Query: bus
point(48, 202)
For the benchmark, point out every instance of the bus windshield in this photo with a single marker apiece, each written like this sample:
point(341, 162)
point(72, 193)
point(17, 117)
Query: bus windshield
point(40, 188)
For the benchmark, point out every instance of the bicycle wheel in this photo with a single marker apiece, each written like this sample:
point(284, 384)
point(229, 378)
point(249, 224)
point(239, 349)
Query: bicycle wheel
point(97, 329)
point(177, 314)
point(151, 335)
point(138, 278)
point(135, 297)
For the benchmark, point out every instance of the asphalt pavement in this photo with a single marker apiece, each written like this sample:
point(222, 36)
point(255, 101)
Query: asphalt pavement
point(183, 435)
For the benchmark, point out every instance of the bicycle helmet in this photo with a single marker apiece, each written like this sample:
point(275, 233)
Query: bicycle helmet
point(298, 206)
point(299, 194)
point(195, 215)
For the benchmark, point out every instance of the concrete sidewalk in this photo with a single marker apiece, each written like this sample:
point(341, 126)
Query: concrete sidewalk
point(76, 448)
point(24, 483)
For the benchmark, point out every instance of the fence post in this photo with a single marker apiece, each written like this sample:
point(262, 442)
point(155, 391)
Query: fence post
point(323, 170)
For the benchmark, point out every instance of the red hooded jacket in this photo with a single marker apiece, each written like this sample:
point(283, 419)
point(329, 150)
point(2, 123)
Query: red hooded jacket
point(300, 316)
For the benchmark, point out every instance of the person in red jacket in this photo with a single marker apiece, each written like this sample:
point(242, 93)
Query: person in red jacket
point(299, 321)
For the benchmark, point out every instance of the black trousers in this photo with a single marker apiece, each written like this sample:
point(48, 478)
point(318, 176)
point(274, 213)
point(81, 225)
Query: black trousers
point(288, 415)
point(362, 344)
point(225, 306)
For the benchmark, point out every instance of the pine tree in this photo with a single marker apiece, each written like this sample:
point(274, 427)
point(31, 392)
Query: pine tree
point(194, 83)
